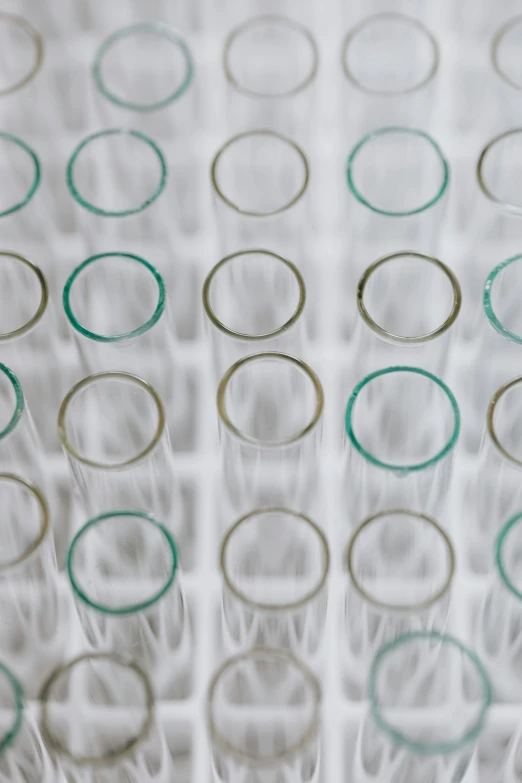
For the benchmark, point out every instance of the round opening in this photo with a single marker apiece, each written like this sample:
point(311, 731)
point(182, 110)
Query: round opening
point(505, 52)
point(502, 310)
point(11, 708)
point(20, 171)
point(270, 57)
point(408, 298)
point(417, 173)
point(390, 54)
point(113, 297)
point(504, 421)
point(11, 401)
point(254, 295)
point(402, 419)
point(497, 169)
point(270, 399)
point(260, 173)
point(25, 294)
point(25, 522)
point(111, 420)
point(144, 67)
point(275, 559)
point(398, 555)
point(263, 706)
point(141, 167)
point(508, 555)
point(22, 52)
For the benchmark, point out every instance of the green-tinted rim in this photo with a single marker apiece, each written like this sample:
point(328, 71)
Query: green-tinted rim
point(18, 697)
point(115, 132)
point(495, 45)
point(424, 748)
point(490, 421)
point(20, 401)
point(101, 338)
point(499, 555)
point(385, 131)
point(155, 28)
point(130, 608)
point(488, 306)
point(37, 173)
point(38, 44)
point(402, 468)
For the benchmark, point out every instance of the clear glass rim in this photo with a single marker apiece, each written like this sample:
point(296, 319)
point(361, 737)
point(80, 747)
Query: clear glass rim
point(391, 16)
point(403, 468)
point(276, 356)
point(37, 173)
point(128, 748)
point(513, 209)
point(491, 424)
point(499, 555)
point(248, 134)
point(211, 315)
point(81, 594)
point(44, 297)
point(274, 608)
point(139, 330)
point(43, 509)
point(18, 704)
point(495, 46)
point(19, 404)
point(115, 213)
point(424, 748)
point(155, 28)
point(309, 734)
point(276, 19)
point(384, 132)
point(488, 306)
point(38, 44)
point(403, 608)
point(401, 339)
point(91, 380)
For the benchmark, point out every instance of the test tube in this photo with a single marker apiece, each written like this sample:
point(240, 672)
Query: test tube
point(507, 86)
point(21, 174)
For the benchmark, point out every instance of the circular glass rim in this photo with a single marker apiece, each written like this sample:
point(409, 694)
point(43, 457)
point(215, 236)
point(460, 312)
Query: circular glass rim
point(499, 555)
point(37, 40)
point(44, 299)
point(80, 593)
point(286, 359)
point(139, 330)
point(242, 335)
point(490, 420)
point(125, 212)
point(43, 509)
point(89, 381)
point(155, 28)
point(127, 749)
point(401, 339)
point(384, 132)
point(37, 173)
point(308, 735)
point(488, 306)
point(496, 42)
point(275, 608)
point(404, 608)
point(402, 468)
point(276, 19)
point(398, 17)
point(425, 748)
point(248, 134)
point(513, 209)
point(19, 401)
point(18, 706)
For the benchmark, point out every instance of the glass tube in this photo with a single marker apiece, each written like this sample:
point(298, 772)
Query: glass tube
point(275, 566)
point(504, 46)
point(270, 409)
point(253, 299)
point(263, 719)
point(400, 571)
point(23, 51)
point(98, 721)
point(429, 698)
point(116, 304)
point(402, 424)
point(21, 174)
point(112, 429)
point(260, 181)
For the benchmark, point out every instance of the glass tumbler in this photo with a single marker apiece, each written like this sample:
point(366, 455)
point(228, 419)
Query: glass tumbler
point(275, 566)
point(263, 719)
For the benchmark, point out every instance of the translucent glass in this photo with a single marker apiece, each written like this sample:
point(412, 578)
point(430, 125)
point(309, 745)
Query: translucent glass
point(260, 181)
point(117, 306)
point(505, 59)
point(270, 409)
point(263, 719)
point(124, 573)
point(98, 719)
point(20, 172)
point(22, 48)
point(253, 300)
point(275, 565)
point(402, 425)
point(400, 571)
point(429, 697)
